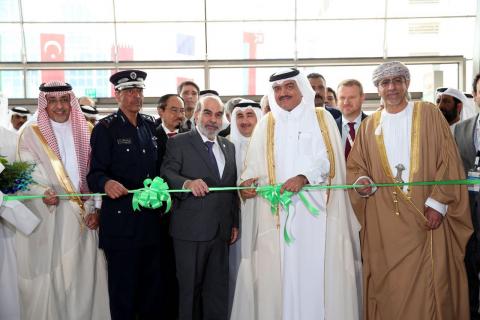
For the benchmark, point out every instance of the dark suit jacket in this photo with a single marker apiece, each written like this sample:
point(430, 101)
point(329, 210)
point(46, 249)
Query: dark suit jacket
point(128, 155)
point(335, 112)
point(162, 143)
point(464, 133)
point(339, 122)
point(200, 218)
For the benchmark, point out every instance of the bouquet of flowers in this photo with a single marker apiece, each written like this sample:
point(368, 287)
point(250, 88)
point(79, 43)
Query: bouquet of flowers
point(16, 176)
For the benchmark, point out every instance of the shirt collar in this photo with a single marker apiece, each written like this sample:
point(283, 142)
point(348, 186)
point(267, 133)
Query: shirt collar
point(357, 120)
point(167, 131)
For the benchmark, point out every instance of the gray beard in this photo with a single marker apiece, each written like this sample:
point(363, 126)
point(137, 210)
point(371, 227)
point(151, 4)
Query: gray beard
point(204, 131)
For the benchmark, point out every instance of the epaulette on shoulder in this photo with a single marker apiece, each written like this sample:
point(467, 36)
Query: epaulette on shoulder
point(147, 117)
point(109, 120)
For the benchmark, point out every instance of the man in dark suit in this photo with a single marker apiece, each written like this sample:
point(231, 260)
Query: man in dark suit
point(350, 100)
point(319, 85)
point(124, 153)
point(171, 109)
point(189, 91)
point(203, 223)
point(467, 137)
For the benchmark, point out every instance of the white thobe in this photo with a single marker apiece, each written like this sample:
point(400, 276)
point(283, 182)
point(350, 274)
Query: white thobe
point(66, 148)
point(9, 303)
point(61, 270)
point(319, 274)
point(299, 149)
point(397, 136)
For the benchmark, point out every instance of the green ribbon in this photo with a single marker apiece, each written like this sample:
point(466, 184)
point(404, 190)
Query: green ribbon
point(156, 191)
point(272, 194)
point(152, 196)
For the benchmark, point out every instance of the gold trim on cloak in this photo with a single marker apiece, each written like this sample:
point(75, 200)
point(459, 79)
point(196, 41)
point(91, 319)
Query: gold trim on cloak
point(414, 156)
point(270, 148)
point(59, 169)
point(328, 144)
point(271, 158)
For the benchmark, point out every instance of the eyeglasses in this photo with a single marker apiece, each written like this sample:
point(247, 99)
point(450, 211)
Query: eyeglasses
point(395, 81)
point(62, 100)
point(176, 110)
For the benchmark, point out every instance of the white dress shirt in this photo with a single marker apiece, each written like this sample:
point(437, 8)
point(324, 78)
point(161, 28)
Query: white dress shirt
point(346, 128)
point(397, 132)
point(218, 153)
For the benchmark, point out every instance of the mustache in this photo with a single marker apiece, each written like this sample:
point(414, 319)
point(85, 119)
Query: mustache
point(284, 97)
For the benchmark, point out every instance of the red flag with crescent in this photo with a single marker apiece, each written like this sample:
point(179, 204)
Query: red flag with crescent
point(52, 49)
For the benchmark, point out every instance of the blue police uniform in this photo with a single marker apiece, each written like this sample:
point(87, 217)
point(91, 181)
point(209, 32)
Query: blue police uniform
point(127, 154)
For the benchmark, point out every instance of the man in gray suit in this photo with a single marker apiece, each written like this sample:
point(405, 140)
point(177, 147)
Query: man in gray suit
point(467, 136)
point(203, 223)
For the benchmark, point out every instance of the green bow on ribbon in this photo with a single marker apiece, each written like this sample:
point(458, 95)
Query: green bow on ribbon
point(272, 194)
point(152, 196)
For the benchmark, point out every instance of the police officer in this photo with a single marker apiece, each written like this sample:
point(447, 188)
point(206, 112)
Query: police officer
point(124, 153)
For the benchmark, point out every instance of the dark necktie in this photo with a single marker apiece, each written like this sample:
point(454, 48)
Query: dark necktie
point(189, 124)
point(348, 146)
point(211, 156)
point(171, 134)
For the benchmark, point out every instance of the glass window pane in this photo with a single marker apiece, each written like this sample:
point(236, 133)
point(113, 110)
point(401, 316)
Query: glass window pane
point(160, 82)
point(67, 11)
point(92, 83)
point(11, 84)
point(422, 79)
point(248, 81)
point(250, 40)
point(95, 83)
point(10, 42)
point(250, 10)
point(9, 10)
point(347, 39)
point(172, 41)
point(314, 9)
point(335, 74)
point(431, 37)
point(419, 8)
point(154, 10)
point(69, 42)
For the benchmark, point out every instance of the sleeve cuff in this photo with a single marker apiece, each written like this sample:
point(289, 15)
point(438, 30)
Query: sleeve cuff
point(313, 178)
point(97, 199)
point(183, 185)
point(434, 204)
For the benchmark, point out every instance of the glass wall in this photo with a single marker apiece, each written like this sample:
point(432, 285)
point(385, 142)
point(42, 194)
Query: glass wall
point(230, 46)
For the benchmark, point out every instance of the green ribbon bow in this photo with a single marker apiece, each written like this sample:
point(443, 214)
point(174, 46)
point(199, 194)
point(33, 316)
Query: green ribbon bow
point(272, 194)
point(152, 196)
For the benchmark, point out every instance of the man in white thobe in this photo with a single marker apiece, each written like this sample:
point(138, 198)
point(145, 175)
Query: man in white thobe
point(61, 271)
point(313, 276)
point(244, 117)
point(13, 216)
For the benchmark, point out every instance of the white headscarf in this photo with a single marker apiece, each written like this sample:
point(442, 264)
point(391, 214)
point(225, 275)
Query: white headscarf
point(468, 109)
point(239, 140)
point(303, 121)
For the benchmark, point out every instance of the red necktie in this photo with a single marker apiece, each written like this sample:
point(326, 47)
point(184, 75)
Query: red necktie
point(171, 134)
point(348, 147)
